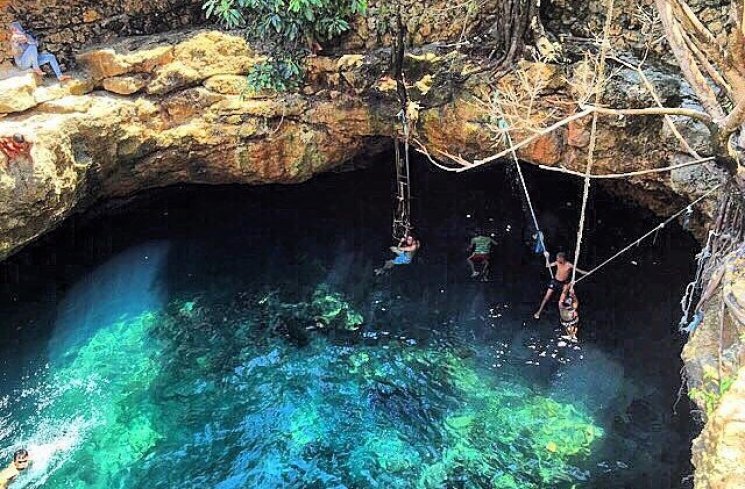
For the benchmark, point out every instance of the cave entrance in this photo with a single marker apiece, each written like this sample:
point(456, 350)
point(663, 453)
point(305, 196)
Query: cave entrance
point(214, 251)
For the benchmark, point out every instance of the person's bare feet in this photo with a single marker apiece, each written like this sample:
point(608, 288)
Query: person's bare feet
point(65, 78)
point(39, 72)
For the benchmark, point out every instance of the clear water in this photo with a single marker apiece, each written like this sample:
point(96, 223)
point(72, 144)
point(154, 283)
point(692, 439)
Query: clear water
point(234, 337)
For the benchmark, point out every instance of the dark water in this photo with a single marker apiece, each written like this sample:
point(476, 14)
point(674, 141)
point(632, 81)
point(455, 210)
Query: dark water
point(235, 337)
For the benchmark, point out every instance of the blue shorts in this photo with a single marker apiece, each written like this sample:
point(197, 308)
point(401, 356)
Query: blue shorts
point(402, 259)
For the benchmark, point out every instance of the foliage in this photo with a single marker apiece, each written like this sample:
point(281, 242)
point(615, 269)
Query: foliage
point(711, 392)
point(289, 27)
point(277, 75)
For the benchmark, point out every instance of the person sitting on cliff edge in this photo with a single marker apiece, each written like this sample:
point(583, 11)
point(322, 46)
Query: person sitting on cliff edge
point(25, 49)
point(14, 146)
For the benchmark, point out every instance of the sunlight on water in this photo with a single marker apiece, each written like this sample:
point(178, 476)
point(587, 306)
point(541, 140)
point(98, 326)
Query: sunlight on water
point(221, 395)
point(126, 285)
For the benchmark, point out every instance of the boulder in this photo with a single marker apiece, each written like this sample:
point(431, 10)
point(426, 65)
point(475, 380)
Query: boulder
point(126, 84)
point(17, 93)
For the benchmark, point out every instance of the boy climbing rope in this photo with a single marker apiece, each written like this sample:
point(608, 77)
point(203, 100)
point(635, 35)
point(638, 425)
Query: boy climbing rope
point(405, 252)
point(563, 272)
point(568, 313)
point(480, 249)
point(26, 53)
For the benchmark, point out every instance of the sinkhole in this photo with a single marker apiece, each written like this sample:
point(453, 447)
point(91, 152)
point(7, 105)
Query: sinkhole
point(236, 336)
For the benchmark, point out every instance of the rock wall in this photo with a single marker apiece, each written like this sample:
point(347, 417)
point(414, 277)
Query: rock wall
point(65, 26)
point(426, 21)
point(161, 110)
point(714, 357)
point(636, 24)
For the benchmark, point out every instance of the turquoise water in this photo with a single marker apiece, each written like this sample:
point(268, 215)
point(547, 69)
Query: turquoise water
point(234, 338)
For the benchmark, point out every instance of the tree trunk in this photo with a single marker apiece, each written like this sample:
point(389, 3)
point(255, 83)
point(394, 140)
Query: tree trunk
point(512, 29)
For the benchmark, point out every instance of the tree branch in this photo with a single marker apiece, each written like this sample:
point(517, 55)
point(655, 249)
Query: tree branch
point(735, 118)
point(687, 62)
point(708, 67)
point(698, 161)
point(535, 136)
point(693, 114)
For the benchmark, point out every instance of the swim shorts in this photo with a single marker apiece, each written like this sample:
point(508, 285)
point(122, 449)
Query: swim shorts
point(571, 322)
point(402, 259)
point(556, 285)
point(479, 257)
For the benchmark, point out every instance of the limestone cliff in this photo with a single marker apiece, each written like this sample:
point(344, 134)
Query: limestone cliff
point(155, 111)
point(715, 364)
point(158, 110)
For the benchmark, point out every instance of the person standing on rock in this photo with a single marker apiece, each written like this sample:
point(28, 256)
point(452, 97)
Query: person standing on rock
point(25, 50)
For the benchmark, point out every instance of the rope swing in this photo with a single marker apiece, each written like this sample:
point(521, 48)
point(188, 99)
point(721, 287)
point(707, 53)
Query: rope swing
point(539, 234)
point(599, 83)
point(649, 233)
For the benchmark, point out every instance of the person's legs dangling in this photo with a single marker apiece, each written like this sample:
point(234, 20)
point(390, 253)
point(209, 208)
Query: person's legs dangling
point(49, 58)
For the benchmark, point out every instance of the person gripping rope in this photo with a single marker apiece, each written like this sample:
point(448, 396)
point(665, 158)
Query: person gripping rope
point(480, 249)
point(561, 278)
point(405, 252)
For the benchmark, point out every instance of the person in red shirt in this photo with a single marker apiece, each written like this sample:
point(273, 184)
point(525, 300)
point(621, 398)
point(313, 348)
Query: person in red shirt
point(14, 146)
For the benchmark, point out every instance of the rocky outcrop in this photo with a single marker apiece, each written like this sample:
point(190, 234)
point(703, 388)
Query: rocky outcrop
point(156, 111)
point(714, 357)
point(719, 451)
point(160, 110)
point(636, 27)
point(64, 27)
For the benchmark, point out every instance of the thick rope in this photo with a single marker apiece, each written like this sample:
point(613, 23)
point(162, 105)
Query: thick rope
point(650, 233)
point(599, 83)
point(538, 231)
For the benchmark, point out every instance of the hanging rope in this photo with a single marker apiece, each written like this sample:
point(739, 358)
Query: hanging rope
point(539, 233)
point(599, 83)
point(650, 233)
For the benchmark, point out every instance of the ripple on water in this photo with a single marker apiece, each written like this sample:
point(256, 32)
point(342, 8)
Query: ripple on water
point(211, 395)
